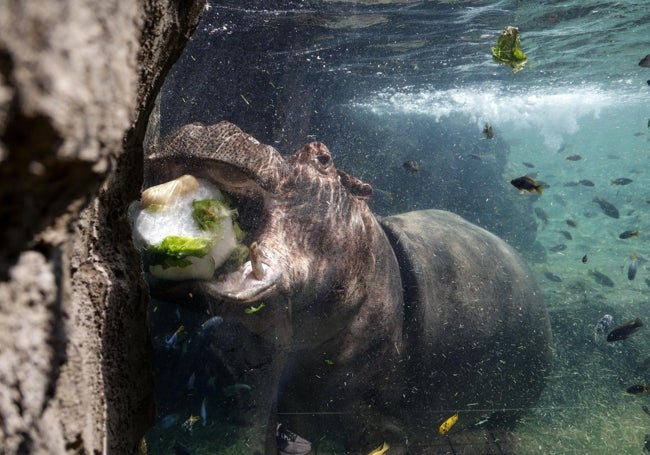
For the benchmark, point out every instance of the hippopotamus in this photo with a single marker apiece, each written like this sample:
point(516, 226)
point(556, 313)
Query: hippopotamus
point(390, 324)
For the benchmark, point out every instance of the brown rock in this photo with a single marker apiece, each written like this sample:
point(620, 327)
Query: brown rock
point(78, 80)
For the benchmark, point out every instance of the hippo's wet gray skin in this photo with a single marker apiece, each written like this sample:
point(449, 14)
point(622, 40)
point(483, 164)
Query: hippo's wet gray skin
point(392, 324)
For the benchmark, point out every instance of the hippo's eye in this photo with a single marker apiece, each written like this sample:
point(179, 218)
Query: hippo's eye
point(324, 160)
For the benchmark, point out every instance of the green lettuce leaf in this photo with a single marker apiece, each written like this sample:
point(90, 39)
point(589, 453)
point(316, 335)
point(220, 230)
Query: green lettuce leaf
point(174, 250)
point(209, 213)
point(508, 49)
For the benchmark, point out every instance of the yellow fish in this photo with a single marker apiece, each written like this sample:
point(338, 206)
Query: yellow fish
point(381, 449)
point(447, 424)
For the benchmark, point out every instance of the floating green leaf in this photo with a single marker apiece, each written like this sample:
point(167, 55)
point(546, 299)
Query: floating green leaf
point(254, 309)
point(508, 49)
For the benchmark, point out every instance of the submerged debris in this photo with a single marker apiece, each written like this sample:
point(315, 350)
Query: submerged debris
point(488, 131)
point(411, 167)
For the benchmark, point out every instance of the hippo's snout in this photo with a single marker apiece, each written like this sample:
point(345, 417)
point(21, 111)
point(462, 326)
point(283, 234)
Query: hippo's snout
point(249, 173)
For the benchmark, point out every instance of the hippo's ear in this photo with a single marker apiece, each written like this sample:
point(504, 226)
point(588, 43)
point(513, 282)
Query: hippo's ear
point(355, 186)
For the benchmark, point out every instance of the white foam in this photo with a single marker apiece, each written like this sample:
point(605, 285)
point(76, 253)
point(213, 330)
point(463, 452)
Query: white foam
point(553, 113)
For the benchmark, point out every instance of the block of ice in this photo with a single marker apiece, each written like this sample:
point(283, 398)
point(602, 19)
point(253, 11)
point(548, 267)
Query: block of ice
point(187, 228)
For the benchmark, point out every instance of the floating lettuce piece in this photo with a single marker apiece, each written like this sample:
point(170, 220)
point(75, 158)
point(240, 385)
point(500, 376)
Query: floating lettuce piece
point(508, 50)
point(174, 250)
point(254, 309)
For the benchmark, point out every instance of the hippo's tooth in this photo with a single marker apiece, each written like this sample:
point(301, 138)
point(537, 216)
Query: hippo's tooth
point(256, 262)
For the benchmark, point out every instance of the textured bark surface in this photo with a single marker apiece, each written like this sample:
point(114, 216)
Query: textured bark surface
point(78, 80)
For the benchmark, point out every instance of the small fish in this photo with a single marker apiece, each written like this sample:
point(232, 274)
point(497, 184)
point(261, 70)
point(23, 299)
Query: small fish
point(528, 165)
point(567, 235)
point(488, 131)
point(603, 325)
point(645, 61)
point(631, 271)
point(646, 441)
point(212, 322)
point(188, 425)
point(557, 248)
point(191, 381)
point(571, 184)
point(541, 214)
point(628, 234)
point(571, 223)
point(607, 207)
point(573, 158)
point(236, 389)
point(382, 449)
point(552, 277)
point(585, 259)
point(411, 167)
point(527, 183)
point(254, 309)
point(169, 343)
point(586, 182)
point(203, 413)
point(621, 181)
point(638, 389)
point(624, 331)
point(447, 424)
point(168, 421)
point(601, 278)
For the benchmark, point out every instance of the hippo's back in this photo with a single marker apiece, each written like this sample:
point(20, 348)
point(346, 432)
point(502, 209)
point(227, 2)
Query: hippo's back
point(475, 322)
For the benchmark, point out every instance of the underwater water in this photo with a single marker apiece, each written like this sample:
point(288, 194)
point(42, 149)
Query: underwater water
point(386, 82)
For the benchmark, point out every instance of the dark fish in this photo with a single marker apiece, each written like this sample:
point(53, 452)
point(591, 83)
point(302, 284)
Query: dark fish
point(571, 184)
point(607, 207)
point(585, 182)
point(646, 442)
point(526, 183)
point(645, 409)
point(412, 167)
point(474, 156)
point(541, 214)
point(645, 61)
point(623, 331)
point(567, 235)
point(557, 248)
point(628, 234)
point(584, 259)
point(488, 131)
point(552, 277)
point(528, 165)
point(621, 181)
point(571, 223)
point(638, 389)
point(601, 278)
point(647, 282)
point(573, 158)
point(631, 271)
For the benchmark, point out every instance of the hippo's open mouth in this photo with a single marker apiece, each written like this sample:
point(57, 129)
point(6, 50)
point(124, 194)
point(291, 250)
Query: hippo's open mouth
point(255, 278)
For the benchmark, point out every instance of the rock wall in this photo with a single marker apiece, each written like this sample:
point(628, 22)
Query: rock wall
point(78, 79)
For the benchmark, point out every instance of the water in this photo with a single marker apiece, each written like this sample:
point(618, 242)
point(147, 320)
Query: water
point(386, 82)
